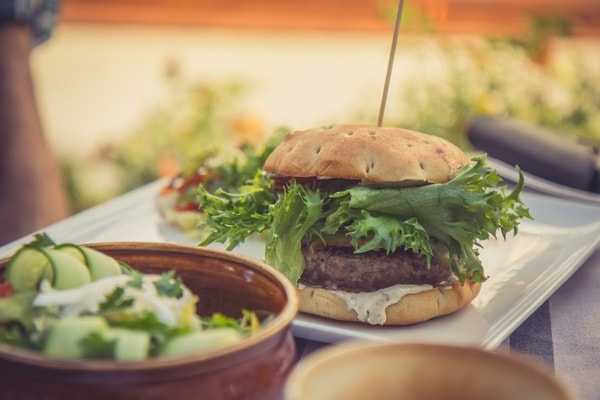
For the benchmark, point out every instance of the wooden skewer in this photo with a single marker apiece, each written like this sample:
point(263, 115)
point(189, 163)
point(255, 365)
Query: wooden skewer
point(386, 85)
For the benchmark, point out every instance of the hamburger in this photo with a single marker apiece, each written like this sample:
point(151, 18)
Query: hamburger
point(378, 225)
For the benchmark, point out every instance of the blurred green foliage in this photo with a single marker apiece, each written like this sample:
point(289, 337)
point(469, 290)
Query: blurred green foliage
point(523, 77)
point(455, 80)
point(199, 120)
point(498, 78)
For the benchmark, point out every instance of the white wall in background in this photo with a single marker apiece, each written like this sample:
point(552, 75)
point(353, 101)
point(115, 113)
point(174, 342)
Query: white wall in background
point(95, 82)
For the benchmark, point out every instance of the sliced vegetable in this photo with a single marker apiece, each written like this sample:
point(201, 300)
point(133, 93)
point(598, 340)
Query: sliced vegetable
point(18, 308)
point(130, 345)
point(26, 268)
point(66, 334)
point(201, 341)
point(69, 272)
point(99, 264)
point(72, 250)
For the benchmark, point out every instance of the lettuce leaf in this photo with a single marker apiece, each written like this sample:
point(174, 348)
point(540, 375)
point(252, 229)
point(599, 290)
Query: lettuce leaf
point(461, 213)
point(295, 216)
point(232, 217)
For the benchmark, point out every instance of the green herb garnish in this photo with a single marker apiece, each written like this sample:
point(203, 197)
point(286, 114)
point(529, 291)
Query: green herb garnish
point(169, 285)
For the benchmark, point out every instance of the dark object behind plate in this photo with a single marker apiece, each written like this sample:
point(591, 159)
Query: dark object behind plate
point(537, 151)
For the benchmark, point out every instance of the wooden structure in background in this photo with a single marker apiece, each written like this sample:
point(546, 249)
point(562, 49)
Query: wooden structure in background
point(497, 17)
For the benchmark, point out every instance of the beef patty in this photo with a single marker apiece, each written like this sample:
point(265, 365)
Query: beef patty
point(339, 268)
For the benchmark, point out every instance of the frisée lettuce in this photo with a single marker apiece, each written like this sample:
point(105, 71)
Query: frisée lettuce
point(461, 213)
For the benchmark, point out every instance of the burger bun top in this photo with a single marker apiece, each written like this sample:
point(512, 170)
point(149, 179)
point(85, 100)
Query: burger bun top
point(387, 155)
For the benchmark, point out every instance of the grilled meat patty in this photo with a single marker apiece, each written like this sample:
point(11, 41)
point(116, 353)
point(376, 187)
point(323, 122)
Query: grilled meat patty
point(339, 268)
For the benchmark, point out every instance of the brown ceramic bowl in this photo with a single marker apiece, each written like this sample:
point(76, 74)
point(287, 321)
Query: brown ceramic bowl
point(255, 368)
point(385, 371)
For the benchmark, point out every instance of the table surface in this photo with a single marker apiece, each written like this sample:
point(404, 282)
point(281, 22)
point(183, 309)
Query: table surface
point(563, 333)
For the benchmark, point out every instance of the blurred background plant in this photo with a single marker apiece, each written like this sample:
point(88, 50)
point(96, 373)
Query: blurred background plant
point(199, 120)
point(455, 79)
point(459, 78)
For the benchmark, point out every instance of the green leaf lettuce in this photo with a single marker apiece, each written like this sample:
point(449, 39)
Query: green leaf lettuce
point(461, 213)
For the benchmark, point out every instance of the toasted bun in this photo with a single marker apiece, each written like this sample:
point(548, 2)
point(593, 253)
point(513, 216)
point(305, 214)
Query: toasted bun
point(367, 153)
point(411, 309)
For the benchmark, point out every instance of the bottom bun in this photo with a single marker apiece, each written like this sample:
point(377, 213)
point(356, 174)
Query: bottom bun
point(410, 309)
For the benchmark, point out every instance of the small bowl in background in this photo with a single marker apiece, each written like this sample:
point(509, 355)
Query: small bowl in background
point(359, 370)
point(255, 368)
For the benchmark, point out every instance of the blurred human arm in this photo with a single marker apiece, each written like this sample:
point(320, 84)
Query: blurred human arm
point(32, 193)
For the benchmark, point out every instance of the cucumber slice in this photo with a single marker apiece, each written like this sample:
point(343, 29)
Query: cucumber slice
point(18, 307)
point(65, 335)
point(71, 249)
point(99, 264)
point(201, 341)
point(26, 268)
point(130, 345)
point(69, 272)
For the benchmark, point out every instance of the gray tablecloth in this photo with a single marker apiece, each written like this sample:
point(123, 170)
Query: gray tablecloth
point(564, 332)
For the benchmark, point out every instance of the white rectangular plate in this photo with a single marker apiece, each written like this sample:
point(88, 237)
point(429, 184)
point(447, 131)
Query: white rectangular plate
point(523, 272)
